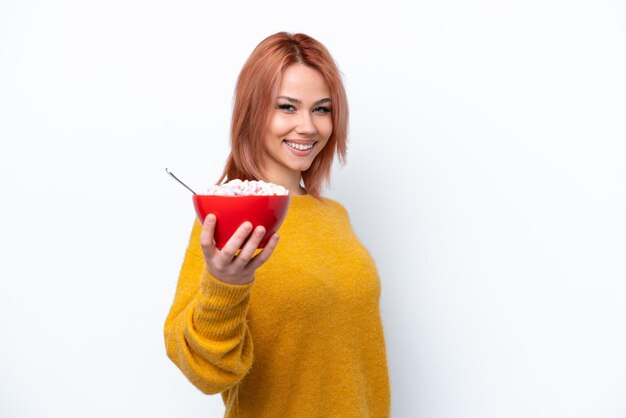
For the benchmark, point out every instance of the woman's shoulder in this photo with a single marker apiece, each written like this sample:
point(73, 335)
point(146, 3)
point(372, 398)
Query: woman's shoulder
point(336, 208)
point(323, 201)
point(335, 204)
point(318, 206)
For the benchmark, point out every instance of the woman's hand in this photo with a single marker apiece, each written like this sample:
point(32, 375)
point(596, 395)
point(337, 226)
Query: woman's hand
point(225, 264)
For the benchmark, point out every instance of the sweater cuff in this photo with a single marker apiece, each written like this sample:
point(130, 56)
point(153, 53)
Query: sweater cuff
point(221, 307)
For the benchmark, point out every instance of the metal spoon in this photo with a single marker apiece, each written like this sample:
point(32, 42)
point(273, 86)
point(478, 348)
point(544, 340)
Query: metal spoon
point(176, 178)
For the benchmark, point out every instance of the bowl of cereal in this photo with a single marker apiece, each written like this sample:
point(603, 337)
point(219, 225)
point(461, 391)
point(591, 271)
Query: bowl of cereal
point(238, 201)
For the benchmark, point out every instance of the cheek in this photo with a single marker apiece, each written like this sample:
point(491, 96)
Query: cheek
point(326, 128)
point(279, 126)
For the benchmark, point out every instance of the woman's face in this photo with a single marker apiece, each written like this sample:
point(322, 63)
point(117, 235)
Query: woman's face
point(299, 125)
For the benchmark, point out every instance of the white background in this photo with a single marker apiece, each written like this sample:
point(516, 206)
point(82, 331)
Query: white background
point(485, 174)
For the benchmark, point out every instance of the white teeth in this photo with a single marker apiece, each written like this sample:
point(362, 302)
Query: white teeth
point(300, 147)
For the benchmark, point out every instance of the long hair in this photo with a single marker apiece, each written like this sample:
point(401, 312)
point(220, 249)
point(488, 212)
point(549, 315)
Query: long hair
point(255, 94)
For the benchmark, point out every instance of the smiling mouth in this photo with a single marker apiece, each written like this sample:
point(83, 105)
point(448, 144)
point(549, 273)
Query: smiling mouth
point(300, 147)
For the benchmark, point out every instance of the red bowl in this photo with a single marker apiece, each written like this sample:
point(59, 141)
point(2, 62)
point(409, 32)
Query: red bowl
point(232, 211)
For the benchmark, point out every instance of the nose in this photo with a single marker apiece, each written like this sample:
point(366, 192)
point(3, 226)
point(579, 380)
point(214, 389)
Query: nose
point(306, 125)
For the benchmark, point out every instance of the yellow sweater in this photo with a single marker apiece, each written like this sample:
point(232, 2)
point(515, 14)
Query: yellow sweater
point(304, 339)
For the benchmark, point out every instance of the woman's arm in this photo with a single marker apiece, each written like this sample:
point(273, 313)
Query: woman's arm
point(206, 332)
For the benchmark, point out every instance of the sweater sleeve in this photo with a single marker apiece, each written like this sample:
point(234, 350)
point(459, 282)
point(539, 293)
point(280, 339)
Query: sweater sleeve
point(206, 331)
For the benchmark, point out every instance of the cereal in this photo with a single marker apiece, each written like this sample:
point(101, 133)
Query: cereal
point(238, 187)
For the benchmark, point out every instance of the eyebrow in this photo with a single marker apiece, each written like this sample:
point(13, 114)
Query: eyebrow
point(297, 101)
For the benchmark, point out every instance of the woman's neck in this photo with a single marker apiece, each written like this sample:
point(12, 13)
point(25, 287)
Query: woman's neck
point(295, 189)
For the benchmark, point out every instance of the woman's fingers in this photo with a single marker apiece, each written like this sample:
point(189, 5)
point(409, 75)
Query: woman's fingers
point(229, 264)
point(262, 257)
point(206, 236)
point(250, 246)
point(234, 242)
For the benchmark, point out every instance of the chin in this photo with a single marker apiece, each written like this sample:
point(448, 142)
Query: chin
point(301, 167)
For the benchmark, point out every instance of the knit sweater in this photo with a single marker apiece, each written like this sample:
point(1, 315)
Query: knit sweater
point(303, 339)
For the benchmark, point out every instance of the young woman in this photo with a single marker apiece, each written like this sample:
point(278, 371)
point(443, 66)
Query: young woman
point(293, 330)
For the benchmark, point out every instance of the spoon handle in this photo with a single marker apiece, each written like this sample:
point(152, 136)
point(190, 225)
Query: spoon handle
point(176, 178)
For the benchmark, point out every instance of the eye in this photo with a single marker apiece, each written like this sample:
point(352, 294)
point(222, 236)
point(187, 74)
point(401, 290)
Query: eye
point(322, 109)
point(286, 107)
